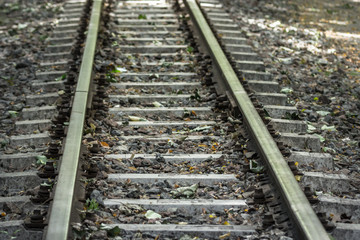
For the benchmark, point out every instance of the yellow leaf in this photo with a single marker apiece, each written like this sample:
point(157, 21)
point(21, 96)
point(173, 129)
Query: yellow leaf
point(187, 119)
point(213, 148)
point(92, 126)
point(104, 144)
point(212, 216)
point(3, 214)
point(296, 163)
point(133, 168)
point(226, 223)
point(193, 113)
point(224, 236)
point(298, 178)
point(246, 210)
point(202, 145)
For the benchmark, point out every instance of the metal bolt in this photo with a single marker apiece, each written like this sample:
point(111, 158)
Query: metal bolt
point(49, 167)
point(36, 217)
point(95, 148)
point(309, 195)
point(92, 171)
point(268, 220)
point(282, 218)
point(224, 116)
point(238, 147)
point(293, 168)
point(259, 196)
point(230, 129)
point(53, 148)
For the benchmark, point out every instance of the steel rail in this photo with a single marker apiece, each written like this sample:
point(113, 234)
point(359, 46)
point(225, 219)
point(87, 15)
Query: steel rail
point(59, 223)
point(307, 223)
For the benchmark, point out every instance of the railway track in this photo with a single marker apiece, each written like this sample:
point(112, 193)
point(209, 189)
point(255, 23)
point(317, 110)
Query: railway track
point(169, 134)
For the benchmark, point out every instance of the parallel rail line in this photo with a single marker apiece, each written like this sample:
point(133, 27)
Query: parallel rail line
point(306, 220)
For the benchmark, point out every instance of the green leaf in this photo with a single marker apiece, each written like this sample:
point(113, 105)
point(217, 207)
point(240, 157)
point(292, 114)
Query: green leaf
point(110, 78)
point(62, 77)
point(91, 204)
point(190, 49)
point(185, 192)
point(119, 69)
point(79, 234)
point(292, 116)
point(327, 149)
point(255, 167)
point(13, 114)
point(347, 6)
point(167, 64)
point(112, 232)
point(48, 184)
point(41, 160)
point(196, 95)
point(142, 16)
point(3, 142)
point(328, 128)
point(150, 214)
point(22, 26)
point(310, 128)
point(286, 90)
point(322, 139)
point(43, 37)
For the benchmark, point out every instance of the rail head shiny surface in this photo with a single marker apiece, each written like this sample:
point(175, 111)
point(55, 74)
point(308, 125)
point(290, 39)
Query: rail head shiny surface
point(59, 222)
point(307, 222)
